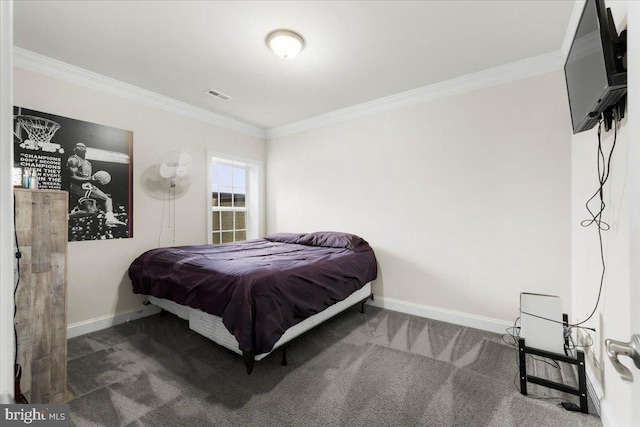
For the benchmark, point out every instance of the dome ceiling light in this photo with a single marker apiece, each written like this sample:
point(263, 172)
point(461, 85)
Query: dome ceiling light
point(286, 44)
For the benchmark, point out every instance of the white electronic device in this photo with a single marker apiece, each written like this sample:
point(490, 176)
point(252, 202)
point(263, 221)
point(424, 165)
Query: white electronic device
point(541, 322)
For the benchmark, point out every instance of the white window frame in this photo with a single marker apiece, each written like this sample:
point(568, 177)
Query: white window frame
point(245, 209)
point(255, 188)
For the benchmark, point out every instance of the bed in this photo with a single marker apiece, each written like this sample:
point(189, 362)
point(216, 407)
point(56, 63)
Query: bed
point(254, 296)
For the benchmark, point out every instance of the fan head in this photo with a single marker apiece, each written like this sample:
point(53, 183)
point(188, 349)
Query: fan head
point(176, 169)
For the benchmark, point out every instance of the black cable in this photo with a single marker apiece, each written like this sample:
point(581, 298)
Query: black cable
point(603, 177)
point(17, 369)
point(18, 255)
point(19, 397)
point(596, 218)
point(577, 325)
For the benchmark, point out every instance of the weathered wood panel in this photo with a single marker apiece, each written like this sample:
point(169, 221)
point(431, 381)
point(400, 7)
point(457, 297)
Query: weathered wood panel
point(59, 324)
point(41, 227)
point(41, 230)
point(41, 389)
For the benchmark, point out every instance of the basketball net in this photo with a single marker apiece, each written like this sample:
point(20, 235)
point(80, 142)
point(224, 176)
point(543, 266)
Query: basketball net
point(38, 129)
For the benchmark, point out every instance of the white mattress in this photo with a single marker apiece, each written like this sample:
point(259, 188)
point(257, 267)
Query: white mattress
point(211, 326)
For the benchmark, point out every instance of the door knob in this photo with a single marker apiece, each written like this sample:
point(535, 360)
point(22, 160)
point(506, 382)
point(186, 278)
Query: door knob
point(630, 349)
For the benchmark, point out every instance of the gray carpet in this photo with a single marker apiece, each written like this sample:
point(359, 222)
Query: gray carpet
point(380, 368)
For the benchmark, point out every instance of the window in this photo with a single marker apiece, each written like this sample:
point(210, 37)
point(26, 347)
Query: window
point(234, 195)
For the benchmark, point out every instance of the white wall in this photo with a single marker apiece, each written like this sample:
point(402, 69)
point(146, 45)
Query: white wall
point(465, 199)
point(612, 319)
point(7, 257)
point(98, 284)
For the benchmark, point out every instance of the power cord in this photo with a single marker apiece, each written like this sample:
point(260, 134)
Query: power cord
point(604, 169)
point(18, 396)
point(18, 255)
point(603, 176)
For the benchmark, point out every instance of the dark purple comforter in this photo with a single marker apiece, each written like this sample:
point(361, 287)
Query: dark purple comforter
point(259, 287)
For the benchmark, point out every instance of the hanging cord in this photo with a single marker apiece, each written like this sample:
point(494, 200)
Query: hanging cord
point(173, 205)
point(604, 168)
point(164, 206)
point(18, 396)
point(168, 206)
point(18, 255)
point(596, 218)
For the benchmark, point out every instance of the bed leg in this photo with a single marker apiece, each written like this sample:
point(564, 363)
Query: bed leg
point(362, 303)
point(249, 361)
point(284, 357)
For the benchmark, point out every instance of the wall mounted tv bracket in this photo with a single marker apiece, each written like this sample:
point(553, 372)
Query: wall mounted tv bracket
point(617, 110)
point(620, 47)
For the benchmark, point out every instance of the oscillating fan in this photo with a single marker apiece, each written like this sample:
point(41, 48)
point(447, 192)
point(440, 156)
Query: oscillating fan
point(176, 169)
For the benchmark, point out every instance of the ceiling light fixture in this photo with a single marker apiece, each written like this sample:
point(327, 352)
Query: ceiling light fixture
point(285, 43)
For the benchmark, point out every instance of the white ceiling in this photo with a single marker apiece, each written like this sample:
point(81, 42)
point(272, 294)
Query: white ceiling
point(356, 51)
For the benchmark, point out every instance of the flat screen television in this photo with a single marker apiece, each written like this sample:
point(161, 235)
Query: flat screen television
point(594, 71)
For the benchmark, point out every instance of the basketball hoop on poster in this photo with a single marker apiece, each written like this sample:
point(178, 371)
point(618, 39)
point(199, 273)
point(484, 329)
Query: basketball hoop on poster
point(39, 133)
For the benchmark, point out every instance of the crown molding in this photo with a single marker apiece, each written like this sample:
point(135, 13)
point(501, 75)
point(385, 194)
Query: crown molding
point(503, 74)
point(45, 65)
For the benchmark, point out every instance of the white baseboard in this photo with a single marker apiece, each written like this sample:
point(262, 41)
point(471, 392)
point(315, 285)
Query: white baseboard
point(449, 316)
point(594, 383)
point(594, 388)
point(81, 328)
point(457, 318)
point(6, 399)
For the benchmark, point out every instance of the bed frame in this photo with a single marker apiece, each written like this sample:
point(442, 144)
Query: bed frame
point(211, 326)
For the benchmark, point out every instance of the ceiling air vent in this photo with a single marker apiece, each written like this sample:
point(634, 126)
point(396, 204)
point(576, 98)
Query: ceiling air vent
point(219, 95)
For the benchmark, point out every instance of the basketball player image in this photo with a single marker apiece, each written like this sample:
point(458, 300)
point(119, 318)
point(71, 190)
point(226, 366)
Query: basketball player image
point(84, 191)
